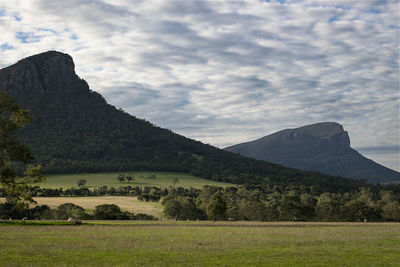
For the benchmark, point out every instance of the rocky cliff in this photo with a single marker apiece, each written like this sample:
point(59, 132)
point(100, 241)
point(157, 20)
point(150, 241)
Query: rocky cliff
point(323, 147)
point(50, 71)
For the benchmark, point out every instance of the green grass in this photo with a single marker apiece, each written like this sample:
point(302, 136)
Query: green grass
point(202, 244)
point(36, 223)
point(162, 179)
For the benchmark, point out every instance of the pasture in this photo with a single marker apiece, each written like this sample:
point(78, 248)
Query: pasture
point(131, 204)
point(159, 179)
point(167, 243)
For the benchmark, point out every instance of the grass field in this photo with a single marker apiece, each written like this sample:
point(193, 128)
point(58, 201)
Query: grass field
point(131, 204)
point(202, 244)
point(161, 179)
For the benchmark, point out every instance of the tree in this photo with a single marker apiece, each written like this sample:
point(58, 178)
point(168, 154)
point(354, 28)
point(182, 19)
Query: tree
point(390, 206)
point(154, 194)
point(328, 208)
point(216, 207)
point(252, 210)
point(291, 208)
point(308, 202)
point(175, 180)
point(121, 178)
point(70, 210)
point(357, 211)
point(81, 182)
point(173, 209)
point(16, 174)
point(189, 210)
point(111, 212)
point(129, 178)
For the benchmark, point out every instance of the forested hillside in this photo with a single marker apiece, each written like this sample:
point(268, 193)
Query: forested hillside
point(75, 130)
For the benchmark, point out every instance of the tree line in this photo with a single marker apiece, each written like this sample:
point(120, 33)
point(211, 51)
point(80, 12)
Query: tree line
point(69, 210)
point(275, 203)
point(256, 202)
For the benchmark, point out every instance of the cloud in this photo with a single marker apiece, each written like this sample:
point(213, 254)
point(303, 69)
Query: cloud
point(225, 72)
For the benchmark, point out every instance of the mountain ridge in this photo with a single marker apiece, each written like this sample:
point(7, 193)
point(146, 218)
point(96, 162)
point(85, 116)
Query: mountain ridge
point(323, 147)
point(76, 130)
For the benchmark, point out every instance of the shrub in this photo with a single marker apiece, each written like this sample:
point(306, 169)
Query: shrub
point(111, 212)
point(39, 212)
point(81, 182)
point(189, 211)
point(173, 209)
point(142, 216)
point(9, 210)
point(70, 210)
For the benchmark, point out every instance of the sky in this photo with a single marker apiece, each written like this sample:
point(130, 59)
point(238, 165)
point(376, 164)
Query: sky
point(227, 72)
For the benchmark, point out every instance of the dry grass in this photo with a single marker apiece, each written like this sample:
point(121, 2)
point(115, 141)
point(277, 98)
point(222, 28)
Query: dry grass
point(131, 204)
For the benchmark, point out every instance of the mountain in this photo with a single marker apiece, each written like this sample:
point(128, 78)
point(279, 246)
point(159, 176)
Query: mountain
point(75, 130)
point(323, 147)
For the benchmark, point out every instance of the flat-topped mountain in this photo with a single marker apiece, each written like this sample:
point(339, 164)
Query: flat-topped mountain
point(75, 130)
point(323, 147)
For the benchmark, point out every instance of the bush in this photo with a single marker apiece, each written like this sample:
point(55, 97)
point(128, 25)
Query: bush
point(111, 212)
point(142, 216)
point(39, 212)
point(173, 209)
point(9, 210)
point(70, 210)
point(189, 211)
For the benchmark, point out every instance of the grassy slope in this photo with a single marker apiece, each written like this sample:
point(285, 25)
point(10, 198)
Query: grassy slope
point(163, 179)
point(203, 244)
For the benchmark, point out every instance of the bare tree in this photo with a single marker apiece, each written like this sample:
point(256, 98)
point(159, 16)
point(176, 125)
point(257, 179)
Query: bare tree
point(175, 180)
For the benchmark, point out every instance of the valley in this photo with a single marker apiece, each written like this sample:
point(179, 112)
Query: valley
point(199, 133)
point(87, 147)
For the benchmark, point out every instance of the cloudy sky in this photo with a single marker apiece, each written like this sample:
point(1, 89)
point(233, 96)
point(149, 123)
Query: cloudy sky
point(225, 72)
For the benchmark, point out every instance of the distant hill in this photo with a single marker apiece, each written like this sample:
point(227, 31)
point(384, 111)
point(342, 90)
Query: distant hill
point(323, 147)
point(75, 130)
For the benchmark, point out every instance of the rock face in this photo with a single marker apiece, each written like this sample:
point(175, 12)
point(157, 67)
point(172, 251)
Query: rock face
point(323, 147)
point(49, 71)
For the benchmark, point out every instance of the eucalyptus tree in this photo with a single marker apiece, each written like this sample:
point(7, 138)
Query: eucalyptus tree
point(16, 172)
